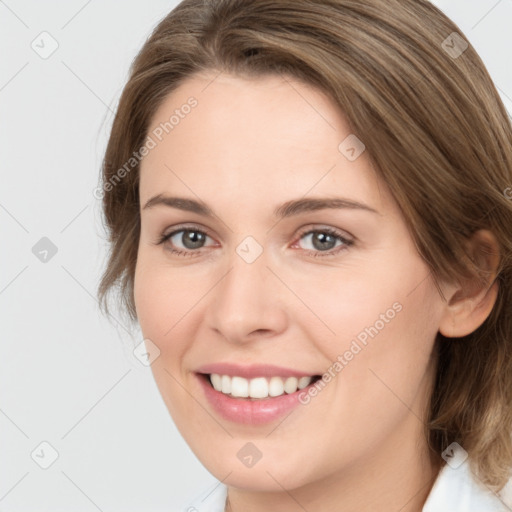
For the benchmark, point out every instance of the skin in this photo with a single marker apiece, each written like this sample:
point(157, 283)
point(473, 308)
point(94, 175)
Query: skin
point(249, 146)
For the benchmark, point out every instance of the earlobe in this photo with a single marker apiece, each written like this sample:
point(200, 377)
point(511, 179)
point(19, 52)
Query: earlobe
point(470, 302)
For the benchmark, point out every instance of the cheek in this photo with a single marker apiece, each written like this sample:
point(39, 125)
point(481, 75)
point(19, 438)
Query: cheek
point(162, 299)
point(161, 302)
point(340, 306)
point(385, 323)
point(386, 359)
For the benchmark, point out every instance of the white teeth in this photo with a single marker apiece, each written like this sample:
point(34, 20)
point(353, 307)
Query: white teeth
point(226, 384)
point(259, 387)
point(239, 386)
point(303, 382)
point(276, 386)
point(216, 381)
point(290, 384)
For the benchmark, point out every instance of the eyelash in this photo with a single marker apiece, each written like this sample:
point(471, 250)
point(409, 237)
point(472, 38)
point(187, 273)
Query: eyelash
point(322, 254)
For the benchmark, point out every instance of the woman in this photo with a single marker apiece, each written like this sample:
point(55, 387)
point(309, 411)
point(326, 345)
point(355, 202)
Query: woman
point(308, 215)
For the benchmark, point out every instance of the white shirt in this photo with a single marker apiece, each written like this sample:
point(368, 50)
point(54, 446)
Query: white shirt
point(455, 490)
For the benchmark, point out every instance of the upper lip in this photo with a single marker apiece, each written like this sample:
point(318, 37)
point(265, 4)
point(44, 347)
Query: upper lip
point(252, 371)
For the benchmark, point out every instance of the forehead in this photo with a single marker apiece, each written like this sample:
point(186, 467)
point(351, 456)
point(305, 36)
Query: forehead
point(239, 134)
point(268, 109)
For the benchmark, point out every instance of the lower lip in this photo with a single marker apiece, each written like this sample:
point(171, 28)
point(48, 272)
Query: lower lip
point(246, 410)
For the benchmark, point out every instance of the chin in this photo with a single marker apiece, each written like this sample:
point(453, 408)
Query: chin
point(272, 472)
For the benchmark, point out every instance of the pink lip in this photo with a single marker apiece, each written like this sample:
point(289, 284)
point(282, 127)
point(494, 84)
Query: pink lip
point(251, 371)
point(249, 411)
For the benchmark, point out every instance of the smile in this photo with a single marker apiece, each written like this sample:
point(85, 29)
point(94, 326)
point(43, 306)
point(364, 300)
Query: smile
point(252, 395)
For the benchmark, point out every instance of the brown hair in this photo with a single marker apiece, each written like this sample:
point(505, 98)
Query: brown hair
point(433, 125)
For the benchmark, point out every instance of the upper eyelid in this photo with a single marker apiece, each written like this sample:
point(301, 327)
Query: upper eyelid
point(188, 228)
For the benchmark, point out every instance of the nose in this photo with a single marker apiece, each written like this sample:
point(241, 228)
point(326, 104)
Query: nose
point(248, 302)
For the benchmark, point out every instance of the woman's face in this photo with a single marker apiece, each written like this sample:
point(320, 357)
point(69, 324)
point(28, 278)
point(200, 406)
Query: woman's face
point(274, 278)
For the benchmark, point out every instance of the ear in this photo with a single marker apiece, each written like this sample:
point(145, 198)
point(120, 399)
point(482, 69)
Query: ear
point(470, 302)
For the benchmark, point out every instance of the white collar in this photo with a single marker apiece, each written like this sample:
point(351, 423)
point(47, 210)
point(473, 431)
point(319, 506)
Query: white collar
point(458, 490)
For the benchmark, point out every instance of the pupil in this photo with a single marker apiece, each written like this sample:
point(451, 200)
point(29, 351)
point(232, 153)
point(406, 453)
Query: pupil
point(192, 239)
point(323, 241)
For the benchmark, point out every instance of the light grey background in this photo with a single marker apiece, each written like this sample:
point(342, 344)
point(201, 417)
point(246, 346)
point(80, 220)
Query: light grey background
point(68, 376)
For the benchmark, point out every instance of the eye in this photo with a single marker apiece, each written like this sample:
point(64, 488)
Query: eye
point(324, 242)
point(185, 241)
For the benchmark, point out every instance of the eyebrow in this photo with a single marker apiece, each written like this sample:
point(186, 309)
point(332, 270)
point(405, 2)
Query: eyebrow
point(288, 209)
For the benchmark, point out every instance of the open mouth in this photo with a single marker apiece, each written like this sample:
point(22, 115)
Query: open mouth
point(258, 388)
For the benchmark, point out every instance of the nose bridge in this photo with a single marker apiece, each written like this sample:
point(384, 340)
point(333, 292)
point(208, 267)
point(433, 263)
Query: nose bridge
point(247, 297)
